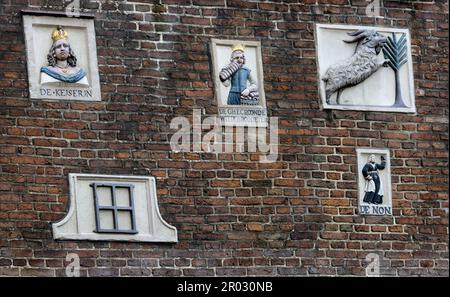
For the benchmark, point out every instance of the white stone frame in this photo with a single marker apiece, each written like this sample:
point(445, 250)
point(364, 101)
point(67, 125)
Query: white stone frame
point(320, 47)
point(58, 92)
point(385, 176)
point(223, 108)
point(71, 227)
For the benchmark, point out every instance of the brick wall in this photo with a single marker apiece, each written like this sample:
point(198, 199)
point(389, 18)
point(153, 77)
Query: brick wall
point(235, 216)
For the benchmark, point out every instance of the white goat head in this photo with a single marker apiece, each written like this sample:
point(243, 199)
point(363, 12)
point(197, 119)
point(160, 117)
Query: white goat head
point(368, 38)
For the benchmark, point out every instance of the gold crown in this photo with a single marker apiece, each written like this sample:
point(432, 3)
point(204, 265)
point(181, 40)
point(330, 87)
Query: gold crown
point(238, 47)
point(59, 33)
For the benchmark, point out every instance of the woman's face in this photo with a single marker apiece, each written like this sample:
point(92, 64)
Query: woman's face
point(62, 49)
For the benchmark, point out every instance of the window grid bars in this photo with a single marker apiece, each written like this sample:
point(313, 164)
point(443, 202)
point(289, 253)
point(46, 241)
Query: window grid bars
point(114, 208)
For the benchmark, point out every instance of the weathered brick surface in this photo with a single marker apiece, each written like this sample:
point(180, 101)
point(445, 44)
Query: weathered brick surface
point(235, 216)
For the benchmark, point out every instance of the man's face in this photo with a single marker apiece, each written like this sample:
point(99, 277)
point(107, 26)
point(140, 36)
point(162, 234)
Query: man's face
point(62, 49)
point(372, 159)
point(238, 57)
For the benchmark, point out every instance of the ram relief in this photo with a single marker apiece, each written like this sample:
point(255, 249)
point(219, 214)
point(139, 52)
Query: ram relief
point(365, 68)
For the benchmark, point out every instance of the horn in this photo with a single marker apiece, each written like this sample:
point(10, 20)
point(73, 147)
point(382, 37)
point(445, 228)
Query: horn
point(360, 34)
point(356, 32)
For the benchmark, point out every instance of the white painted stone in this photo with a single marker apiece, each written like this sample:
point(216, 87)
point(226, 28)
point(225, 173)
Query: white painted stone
point(376, 93)
point(79, 224)
point(239, 115)
point(385, 176)
point(81, 32)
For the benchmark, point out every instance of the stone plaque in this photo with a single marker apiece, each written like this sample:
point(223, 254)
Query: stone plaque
point(113, 207)
point(239, 82)
point(61, 58)
point(365, 68)
point(374, 182)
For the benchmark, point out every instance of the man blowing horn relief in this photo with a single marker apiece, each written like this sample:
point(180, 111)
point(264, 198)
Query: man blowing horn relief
point(358, 67)
point(238, 76)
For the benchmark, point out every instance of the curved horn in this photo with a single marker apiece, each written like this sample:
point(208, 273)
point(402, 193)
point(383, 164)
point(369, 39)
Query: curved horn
point(356, 32)
point(360, 34)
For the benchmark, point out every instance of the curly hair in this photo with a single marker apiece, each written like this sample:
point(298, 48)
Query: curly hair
point(71, 60)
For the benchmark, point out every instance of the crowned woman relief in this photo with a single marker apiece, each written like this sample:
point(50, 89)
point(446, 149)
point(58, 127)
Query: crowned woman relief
point(62, 62)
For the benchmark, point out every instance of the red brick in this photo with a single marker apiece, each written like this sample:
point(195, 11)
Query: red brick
point(235, 216)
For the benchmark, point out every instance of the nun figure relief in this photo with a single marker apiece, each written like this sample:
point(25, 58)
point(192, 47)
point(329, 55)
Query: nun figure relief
point(373, 188)
point(62, 62)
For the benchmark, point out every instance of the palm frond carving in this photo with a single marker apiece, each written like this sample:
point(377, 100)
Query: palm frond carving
point(396, 50)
